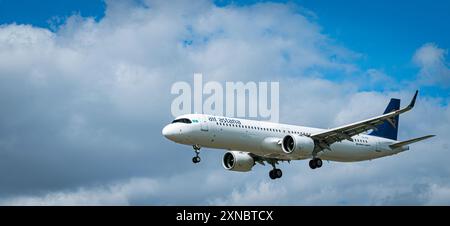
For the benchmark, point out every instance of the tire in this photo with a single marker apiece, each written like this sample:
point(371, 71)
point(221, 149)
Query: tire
point(278, 173)
point(272, 175)
point(319, 163)
point(196, 159)
point(312, 164)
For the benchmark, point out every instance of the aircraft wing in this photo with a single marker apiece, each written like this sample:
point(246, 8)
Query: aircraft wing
point(327, 137)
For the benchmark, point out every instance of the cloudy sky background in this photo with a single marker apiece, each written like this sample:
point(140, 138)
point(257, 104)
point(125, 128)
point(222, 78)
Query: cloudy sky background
point(84, 96)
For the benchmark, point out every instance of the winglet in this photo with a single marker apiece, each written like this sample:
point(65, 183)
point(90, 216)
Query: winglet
point(413, 101)
point(411, 105)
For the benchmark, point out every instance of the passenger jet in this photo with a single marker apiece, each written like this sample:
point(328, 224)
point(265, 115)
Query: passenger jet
point(249, 142)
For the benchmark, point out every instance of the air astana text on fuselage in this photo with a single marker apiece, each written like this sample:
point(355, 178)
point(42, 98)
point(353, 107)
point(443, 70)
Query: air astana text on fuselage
point(224, 120)
point(249, 141)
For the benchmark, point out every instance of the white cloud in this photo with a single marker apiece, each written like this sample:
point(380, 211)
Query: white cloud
point(263, 193)
point(114, 194)
point(440, 195)
point(434, 69)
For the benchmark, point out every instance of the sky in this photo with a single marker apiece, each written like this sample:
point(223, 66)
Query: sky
point(85, 92)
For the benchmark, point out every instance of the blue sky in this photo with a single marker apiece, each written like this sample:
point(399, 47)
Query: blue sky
point(38, 13)
point(386, 33)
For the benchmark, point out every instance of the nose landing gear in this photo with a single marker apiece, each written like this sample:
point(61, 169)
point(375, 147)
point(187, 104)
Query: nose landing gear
point(196, 159)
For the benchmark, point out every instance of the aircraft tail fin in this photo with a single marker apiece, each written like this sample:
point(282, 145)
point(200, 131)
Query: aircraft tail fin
point(406, 142)
point(389, 129)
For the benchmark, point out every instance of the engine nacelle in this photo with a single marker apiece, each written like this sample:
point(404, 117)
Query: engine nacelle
point(297, 145)
point(238, 161)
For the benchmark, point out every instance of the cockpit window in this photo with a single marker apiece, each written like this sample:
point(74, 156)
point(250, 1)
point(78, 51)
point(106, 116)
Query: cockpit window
point(182, 120)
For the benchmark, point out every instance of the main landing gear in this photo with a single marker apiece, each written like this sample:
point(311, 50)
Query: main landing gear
point(196, 159)
point(315, 163)
point(275, 173)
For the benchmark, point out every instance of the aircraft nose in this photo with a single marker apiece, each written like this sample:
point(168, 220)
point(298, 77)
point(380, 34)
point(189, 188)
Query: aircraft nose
point(169, 132)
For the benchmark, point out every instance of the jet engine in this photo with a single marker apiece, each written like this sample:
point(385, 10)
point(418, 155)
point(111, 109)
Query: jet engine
point(297, 145)
point(238, 161)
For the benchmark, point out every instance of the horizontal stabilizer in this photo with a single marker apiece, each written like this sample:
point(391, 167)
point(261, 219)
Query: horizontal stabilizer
point(406, 142)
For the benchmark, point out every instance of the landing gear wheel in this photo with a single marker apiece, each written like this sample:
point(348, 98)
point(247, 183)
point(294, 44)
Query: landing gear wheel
point(318, 162)
point(275, 173)
point(278, 173)
point(196, 159)
point(272, 175)
point(312, 164)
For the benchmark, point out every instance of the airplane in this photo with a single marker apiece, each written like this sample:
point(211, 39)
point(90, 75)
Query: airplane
point(249, 142)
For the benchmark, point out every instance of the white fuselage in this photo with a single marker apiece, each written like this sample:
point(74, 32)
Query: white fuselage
point(262, 138)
